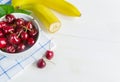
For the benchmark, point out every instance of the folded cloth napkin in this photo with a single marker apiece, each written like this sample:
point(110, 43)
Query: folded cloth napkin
point(10, 67)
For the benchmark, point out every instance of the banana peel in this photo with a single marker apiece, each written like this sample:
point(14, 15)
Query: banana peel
point(17, 3)
point(63, 7)
point(49, 20)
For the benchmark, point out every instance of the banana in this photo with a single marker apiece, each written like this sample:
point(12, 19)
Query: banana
point(62, 6)
point(17, 3)
point(44, 14)
point(49, 20)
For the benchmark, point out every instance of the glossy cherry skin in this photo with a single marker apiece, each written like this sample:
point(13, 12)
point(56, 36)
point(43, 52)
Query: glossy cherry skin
point(13, 39)
point(1, 33)
point(41, 63)
point(20, 21)
point(33, 32)
point(21, 47)
point(29, 25)
point(3, 24)
point(30, 41)
point(8, 29)
point(10, 18)
point(24, 35)
point(3, 42)
point(10, 49)
point(49, 54)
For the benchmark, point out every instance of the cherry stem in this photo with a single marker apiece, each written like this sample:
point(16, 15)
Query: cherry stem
point(11, 32)
point(19, 34)
point(49, 60)
point(26, 28)
point(3, 49)
point(13, 25)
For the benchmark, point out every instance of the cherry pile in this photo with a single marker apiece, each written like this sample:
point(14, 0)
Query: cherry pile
point(48, 55)
point(16, 34)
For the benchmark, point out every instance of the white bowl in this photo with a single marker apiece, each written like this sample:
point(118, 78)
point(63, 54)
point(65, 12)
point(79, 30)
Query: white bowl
point(31, 49)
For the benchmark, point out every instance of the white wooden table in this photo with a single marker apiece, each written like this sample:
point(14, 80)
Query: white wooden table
point(88, 48)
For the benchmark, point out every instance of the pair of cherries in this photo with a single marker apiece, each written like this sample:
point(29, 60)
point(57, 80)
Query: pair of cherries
point(48, 55)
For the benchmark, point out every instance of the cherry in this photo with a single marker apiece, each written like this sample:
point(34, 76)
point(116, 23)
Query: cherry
point(41, 63)
point(8, 29)
point(21, 47)
point(10, 18)
point(31, 41)
point(3, 24)
point(24, 35)
point(20, 21)
point(1, 33)
point(3, 42)
point(29, 25)
point(33, 32)
point(49, 54)
point(13, 39)
point(10, 49)
point(19, 30)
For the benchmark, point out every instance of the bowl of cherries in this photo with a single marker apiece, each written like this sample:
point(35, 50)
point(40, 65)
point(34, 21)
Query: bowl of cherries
point(19, 34)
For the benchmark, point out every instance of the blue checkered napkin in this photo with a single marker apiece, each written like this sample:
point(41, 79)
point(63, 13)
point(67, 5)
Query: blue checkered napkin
point(10, 67)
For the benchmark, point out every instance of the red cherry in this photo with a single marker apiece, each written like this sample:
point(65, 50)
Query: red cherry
point(3, 42)
point(41, 63)
point(10, 49)
point(19, 30)
point(29, 25)
point(13, 39)
point(8, 29)
point(1, 33)
point(31, 41)
point(24, 35)
point(33, 32)
point(49, 54)
point(20, 21)
point(3, 24)
point(10, 18)
point(21, 47)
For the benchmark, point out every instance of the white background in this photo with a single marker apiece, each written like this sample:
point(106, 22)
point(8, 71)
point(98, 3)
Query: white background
point(88, 48)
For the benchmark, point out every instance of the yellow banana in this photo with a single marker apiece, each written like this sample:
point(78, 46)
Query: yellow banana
point(62, 6)
point(49, 20)
point(17, 3)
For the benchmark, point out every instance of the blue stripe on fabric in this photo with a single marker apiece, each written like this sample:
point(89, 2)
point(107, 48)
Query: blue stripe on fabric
point(12, 67)
point(5, 72)
point(3, 57)
point(19, 64)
